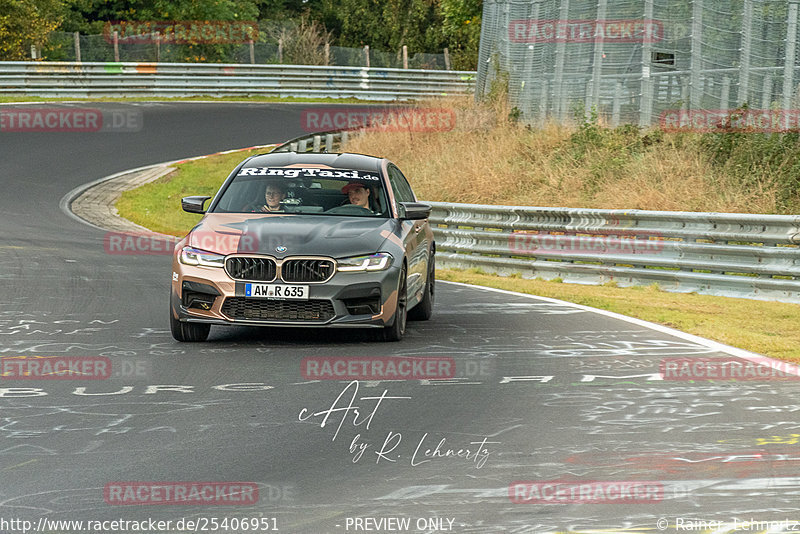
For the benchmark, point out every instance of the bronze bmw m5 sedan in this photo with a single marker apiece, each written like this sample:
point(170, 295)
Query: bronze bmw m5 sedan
point(305, 239)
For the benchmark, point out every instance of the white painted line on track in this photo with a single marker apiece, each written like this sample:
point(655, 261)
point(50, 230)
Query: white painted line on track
point(714, 345)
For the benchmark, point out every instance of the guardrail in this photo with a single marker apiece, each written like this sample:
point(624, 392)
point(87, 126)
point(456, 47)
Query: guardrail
point(314, 142)
point(727, 254)
point(724, 254)
point(84, 80)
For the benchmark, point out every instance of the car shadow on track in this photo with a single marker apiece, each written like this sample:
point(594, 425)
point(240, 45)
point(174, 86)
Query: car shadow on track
point(258, 335)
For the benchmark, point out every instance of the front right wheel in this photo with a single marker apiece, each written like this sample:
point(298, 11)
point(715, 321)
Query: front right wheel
point(191, 332)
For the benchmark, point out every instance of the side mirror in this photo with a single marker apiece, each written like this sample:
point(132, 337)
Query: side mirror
point(413, 211)
point(193, 204)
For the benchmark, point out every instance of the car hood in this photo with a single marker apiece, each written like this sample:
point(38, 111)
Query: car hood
point(301, 235)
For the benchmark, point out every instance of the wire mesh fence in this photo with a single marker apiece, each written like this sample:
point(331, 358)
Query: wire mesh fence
point(671, 62)
point(64, 46)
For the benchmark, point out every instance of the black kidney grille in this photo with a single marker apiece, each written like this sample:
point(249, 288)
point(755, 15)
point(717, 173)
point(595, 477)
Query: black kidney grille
point(277, 310)
point(241, 268)
point(306, 270)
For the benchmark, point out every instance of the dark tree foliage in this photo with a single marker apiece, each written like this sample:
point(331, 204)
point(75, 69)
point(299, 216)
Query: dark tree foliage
point(421, 25)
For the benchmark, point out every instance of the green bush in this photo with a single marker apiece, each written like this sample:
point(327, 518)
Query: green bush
point(759, 160)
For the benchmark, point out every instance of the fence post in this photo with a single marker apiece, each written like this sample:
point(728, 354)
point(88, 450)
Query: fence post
point(597, 63)
point(725, 93)
point(646, 86)
point(525, 75)
point(791, 52)
point(317, 143)
point(158, 46)
point(405, 57)
point(744, 60)
point(559, 92)
point(280, 50)
point(116, 47)
point(33, 51)
point(685, 94)
point(366, 54)
point(766, 94)
point(587, 100)
point(447, 59)
point(252, 52)
point(615, 110)
point(543, 101)
point(695, 93)
point(77, 39)
point(327, 53)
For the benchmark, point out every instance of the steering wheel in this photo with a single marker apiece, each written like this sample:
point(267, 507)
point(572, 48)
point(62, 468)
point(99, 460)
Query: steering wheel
point(350, 209)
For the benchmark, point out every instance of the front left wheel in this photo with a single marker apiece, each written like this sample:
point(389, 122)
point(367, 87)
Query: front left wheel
point(191, 332)
point(424, 310)
point(396, 330)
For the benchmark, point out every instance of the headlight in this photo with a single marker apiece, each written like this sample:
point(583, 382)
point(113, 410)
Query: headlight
point(195, 256)
point(373, 262)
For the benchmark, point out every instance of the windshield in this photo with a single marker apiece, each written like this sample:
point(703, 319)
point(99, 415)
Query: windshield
point(293, 190)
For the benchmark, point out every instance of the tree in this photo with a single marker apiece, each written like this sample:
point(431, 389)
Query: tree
point(24, 23)
point(462, 30)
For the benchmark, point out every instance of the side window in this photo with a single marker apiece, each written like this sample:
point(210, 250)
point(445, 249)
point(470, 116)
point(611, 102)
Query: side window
point(402, 191)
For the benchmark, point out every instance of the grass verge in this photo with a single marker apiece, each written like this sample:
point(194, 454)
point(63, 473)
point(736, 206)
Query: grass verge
point(157, 205)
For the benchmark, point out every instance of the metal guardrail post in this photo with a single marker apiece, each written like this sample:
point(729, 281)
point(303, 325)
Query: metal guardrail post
point(317, 142)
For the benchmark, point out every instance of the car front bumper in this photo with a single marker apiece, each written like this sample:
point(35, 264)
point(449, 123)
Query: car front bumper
point(348, 299)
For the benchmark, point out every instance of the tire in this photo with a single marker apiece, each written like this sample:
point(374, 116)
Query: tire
point(191, 332)
point(424, 310)
point(396, 330)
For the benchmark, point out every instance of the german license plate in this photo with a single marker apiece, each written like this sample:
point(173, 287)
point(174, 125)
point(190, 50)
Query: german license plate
point(276, 291)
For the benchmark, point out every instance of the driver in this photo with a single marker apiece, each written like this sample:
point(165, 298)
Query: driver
point(274, 194)
point(358, 194)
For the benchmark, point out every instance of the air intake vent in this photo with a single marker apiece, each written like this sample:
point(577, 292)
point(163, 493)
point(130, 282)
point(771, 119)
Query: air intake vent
point(242, 268)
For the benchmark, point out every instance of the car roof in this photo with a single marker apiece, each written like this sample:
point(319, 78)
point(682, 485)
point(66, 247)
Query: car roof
point(360, 162)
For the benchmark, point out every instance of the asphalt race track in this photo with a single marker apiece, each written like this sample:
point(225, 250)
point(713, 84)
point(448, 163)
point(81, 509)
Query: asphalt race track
point(542, 392)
